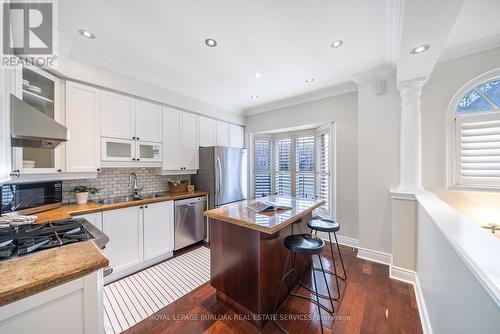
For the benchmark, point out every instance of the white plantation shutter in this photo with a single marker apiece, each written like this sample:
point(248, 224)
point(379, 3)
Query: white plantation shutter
point(324, 168)
point(478, 149)
point(263, 166)
point(283, 167)
point(304, 160)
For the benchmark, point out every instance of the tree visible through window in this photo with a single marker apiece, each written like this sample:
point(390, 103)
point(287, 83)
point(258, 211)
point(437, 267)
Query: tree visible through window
point(477, 137)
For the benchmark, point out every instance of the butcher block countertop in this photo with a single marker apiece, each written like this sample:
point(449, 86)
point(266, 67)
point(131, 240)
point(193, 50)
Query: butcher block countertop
point(271, 222)
point(27, 275)
point(69, 210)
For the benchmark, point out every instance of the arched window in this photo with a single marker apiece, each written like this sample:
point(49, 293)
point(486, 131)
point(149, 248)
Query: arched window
point(477, 136)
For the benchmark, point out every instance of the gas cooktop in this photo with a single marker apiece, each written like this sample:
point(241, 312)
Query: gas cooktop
point(29, 238)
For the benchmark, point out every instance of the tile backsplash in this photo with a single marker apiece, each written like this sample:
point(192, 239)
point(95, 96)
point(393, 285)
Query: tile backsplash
point(113, 182)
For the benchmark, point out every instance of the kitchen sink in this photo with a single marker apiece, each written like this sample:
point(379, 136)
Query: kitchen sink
point(116, 200)
point(124, 199)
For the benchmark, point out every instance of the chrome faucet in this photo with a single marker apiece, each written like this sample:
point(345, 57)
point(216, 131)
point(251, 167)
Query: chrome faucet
point(493, 227)
point(132, 182)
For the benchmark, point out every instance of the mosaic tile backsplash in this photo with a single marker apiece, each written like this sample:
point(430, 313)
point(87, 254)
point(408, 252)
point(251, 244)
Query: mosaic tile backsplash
point(113, 182)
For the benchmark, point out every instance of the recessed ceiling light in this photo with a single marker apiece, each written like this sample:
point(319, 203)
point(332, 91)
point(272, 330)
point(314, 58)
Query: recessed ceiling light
point(253, 97)
point(211, 42)
point(420, 49)
point(257, 75)
point(309, 80)
point(337, 43)
point(86, 34)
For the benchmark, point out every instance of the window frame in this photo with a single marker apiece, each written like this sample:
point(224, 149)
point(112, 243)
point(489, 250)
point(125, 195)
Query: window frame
point(454, 179)
point(293, 135)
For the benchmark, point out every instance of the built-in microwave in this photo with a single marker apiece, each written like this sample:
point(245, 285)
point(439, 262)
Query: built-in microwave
point(28, 198)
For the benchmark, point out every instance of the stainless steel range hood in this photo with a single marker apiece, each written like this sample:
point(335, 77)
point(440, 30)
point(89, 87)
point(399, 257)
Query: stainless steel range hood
point(32, 128)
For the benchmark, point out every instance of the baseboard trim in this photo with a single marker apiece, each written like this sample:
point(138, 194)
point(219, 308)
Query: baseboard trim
point(343, 240)
point(422, 308)
point(374, 256)
point(401, 274)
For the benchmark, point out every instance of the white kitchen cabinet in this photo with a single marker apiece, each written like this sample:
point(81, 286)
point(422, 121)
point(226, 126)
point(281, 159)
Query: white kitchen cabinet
point(148, 151)
point(206, 131)
point(124, 227)
point(5, 149)
point(93, 218)
point(190, 156)
point(78, 305)
point(83, 114)
point(117, 116)
point(172, 158)
point(236, 137)
point(222, 133)
point(180, 146)
point(43, 93)
point(113, 149)
point(148, 121)
point(158, 229)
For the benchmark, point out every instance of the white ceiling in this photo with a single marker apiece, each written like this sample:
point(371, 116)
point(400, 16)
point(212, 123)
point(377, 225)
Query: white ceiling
point(288, 41)
point(477, 28)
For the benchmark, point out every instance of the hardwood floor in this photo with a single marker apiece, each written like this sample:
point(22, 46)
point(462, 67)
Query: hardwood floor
point(370, 303)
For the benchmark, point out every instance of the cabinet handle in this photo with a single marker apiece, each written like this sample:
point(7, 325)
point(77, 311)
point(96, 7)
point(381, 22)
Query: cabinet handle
point(137, 138)
point(146, 206)
point(133, 159)
point(133, 138)
point(98, 169)
point(141, 207)
point(15, 173)
point(138, 159)
point(59, 170)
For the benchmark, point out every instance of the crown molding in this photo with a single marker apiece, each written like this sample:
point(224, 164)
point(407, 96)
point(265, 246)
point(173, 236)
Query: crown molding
point(380, 72)
point(477, 46)
point(303, 98)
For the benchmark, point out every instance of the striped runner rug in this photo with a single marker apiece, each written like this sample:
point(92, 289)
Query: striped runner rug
point(136, 297)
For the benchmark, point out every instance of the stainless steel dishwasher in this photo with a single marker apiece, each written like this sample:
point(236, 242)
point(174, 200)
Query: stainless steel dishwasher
point(190, 224)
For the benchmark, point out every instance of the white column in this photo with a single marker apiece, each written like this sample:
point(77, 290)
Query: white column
point(411, 136)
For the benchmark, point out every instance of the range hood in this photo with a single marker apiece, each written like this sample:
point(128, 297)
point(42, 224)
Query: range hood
point(32, 128)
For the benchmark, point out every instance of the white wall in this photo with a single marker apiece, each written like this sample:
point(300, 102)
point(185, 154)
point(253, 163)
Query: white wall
point(79, 70)
point(343, 110)
point(379, 123)
point(448, 77)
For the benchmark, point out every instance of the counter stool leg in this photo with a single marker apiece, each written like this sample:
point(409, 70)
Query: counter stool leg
point(283, 276)
point(340, 254)
point(334, 265)
point(317, 299)
point(326, 283)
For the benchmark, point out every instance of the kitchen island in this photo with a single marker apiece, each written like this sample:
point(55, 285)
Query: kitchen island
point(248, 255)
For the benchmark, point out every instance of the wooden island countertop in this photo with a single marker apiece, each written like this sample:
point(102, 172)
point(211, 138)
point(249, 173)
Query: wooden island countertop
point(239, 214)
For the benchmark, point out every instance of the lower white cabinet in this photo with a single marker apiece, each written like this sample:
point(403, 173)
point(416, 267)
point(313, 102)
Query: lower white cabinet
point(138, 237)
point(158, 229)
point(93, 218)
point(124, 229)
point(74, 307)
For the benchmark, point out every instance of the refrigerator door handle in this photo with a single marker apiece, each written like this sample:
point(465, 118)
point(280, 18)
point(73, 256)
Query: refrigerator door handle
point(219, 185)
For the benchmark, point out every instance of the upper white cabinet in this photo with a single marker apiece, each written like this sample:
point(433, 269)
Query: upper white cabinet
point(222, 133)
point(206, 131)
point(148, 121)
point(180, 146)
point(118, 116)
point(41, 90)
point(83, 114)
point(236, 137)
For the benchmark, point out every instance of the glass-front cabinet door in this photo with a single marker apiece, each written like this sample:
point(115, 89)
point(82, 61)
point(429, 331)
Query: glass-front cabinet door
point(40, 90)
point(113, 149)
point(148, 151)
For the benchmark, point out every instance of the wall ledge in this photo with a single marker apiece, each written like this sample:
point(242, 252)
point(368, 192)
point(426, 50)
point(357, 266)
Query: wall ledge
point(408, 194)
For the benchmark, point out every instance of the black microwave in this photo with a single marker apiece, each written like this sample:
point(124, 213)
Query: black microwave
point(28, 198)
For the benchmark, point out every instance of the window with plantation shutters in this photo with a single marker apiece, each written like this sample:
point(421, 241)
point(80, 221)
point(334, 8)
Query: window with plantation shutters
point(477, 137)
point(305, 171)
point(263, 167)
point(283, 167)
point(295, 164)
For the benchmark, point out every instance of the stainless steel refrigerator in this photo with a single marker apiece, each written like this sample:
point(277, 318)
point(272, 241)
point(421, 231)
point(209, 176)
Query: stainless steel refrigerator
point(223, 173)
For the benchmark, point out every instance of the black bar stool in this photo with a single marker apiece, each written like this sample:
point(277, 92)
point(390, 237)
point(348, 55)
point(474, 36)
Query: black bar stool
point(305, 244)
point(330, 226)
